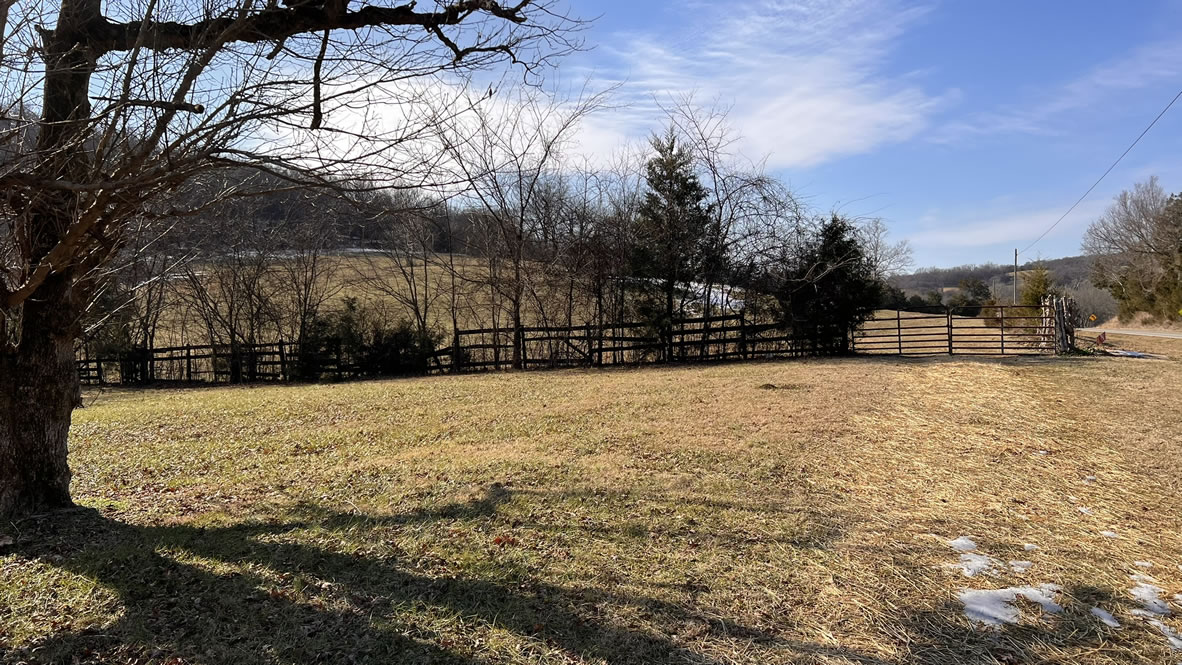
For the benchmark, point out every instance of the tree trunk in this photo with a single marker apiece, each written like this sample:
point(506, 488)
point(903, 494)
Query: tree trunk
point(39, 385)
point(39, 391)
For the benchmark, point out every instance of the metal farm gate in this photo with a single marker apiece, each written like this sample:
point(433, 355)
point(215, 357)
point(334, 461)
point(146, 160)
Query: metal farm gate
point(992, 330)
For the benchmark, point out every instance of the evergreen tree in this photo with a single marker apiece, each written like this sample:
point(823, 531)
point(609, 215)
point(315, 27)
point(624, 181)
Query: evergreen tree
point(1037, 286)
point(673, 221)
point(832, 290)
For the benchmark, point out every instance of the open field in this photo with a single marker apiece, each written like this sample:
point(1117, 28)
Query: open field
point(377, 281)
point(661, 515)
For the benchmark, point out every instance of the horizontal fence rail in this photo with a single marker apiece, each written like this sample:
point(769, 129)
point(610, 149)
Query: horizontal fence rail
point(993, 330)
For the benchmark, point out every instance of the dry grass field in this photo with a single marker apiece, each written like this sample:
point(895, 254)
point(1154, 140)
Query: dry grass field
point(379, 282)
point(779, 512)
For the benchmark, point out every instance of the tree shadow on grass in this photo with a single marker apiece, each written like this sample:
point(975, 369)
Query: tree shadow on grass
point(281, 592)
point(254, 593)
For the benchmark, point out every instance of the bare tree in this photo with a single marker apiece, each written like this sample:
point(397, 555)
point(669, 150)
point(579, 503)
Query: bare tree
point(400, 261)
point(1136, 246)
point(740, 195)
point(231, 286)
point(307, 274)
point(888, 258)
point(128, 309)
point(135, 98)
point(508, 153)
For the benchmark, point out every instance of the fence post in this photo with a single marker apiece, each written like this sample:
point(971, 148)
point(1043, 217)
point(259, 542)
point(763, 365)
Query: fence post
point(1002, 309)
point(1069, 314)
point(1064, 325)
point(496, 347)
point(949, 331)
point(519, 338)
point(1046, 325)
point(455, 351)
point(743, 334)
point(599, 344)
point(340, 360)
point(235, 362)
point(899, 329)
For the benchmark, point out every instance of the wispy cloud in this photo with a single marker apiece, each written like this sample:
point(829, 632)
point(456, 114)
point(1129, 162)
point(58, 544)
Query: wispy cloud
point(962, 232)
point(804, 80)
point(1146, 66)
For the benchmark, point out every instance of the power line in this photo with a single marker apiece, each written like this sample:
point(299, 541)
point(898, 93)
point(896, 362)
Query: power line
point(1122, 156)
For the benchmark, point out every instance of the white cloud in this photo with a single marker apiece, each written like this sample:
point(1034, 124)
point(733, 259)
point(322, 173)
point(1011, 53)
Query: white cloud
point(804, 80)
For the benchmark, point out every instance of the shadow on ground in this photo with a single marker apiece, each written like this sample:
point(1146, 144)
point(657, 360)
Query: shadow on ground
point(178, 607)
point(175, 611)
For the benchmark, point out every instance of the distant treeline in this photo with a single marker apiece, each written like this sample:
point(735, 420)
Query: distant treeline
point(1064, 272)
point(979, 286)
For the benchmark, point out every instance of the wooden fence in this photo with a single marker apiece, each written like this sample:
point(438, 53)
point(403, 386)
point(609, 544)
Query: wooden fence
point(708, 338)
point(1000, 330)
point(219, 363)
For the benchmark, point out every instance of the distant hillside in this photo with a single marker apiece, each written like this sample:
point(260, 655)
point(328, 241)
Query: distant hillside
point(1065, 272)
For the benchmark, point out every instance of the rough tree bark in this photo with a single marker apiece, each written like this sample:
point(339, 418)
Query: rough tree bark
point(41, 388)
point(38, 393)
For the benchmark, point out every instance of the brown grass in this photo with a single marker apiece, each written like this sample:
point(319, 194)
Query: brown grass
point(1142, 321)
point(664, 515)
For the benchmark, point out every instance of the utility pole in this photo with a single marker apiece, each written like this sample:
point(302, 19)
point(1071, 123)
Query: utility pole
point(1015, 276)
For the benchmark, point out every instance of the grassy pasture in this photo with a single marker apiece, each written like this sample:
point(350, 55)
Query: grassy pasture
point(660, 515)
point(379, 281)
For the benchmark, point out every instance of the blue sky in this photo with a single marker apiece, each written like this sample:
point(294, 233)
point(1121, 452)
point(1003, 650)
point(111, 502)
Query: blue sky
point(968, 126)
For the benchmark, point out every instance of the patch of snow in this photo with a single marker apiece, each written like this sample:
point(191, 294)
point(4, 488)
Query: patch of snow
point(1021, 566)
point(1072, 499)
point(975, 564)
point(1085, 511)
point(1109, 534)
point(996, 607)
point(1172, 636)
point(1143, 564)
point(1106, 618)
point(1149, 595)
point(1029, 547)
point(1144, 614)
point(963, 544)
